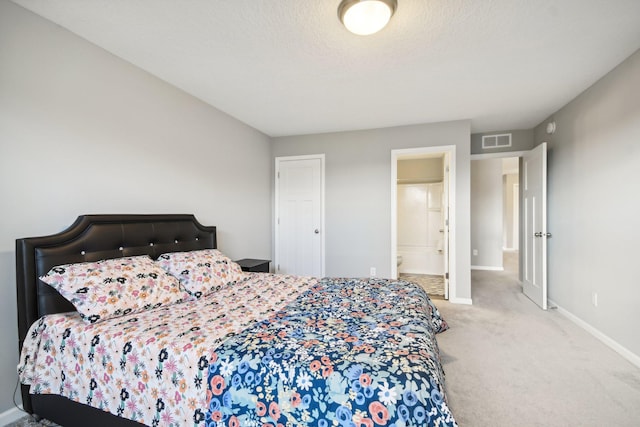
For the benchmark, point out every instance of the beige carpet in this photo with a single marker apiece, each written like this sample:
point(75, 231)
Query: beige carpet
point(509, 363)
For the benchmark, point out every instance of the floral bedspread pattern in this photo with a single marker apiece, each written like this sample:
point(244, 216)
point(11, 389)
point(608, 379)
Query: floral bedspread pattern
point(150, 367)
point(347, 352)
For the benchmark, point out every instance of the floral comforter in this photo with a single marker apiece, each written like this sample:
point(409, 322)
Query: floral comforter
point(347, 352)
point(150, 367)
point(268, 351)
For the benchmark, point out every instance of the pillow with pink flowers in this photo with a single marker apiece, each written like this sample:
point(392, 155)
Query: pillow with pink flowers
point(201, 272)
point(115, 287)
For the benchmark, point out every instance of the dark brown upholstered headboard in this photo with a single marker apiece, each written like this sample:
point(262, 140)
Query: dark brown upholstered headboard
point(92, 238)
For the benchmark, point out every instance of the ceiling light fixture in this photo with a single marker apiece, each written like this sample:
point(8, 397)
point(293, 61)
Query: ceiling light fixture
point(364, 17)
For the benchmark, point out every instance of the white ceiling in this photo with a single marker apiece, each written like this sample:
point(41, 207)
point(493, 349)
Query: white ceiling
point(289, 67)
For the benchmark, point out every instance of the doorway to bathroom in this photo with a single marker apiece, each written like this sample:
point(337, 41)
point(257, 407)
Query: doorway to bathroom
point(421, 218)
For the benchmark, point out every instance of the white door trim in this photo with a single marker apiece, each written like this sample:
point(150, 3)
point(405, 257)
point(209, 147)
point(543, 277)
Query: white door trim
point(515, 239)
point(446, 197)
point(409, 152)
point(504, 154)
point(278, 160)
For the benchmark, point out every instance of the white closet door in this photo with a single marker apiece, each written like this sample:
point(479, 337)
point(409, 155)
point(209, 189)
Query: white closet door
point(299, 243)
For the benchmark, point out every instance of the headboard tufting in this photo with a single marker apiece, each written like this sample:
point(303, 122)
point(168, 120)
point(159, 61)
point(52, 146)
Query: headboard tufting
point(93, 238)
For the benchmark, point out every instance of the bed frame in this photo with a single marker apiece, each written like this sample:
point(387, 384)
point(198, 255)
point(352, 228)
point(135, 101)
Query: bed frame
point(91, 238)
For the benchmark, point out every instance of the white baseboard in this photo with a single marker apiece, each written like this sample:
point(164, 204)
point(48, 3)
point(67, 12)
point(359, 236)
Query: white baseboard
point(466, 301)
point(614, 345)
point(10, 416)
point(486, 267)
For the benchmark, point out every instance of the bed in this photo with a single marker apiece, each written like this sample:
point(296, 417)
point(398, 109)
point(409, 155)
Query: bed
point(260, 349)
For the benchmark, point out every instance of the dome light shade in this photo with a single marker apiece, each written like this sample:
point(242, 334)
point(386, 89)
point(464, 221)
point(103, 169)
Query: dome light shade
point(364, 17)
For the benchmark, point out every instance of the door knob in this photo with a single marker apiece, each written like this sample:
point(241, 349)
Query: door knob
point(316, 231)
point(541, 234)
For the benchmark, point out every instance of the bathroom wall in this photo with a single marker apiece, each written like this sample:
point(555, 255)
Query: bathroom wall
point(420, 170)
point(420, 215)
point(420, 242)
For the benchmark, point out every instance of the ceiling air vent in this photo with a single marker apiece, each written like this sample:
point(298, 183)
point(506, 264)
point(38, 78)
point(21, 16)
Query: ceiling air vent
point(496, 141)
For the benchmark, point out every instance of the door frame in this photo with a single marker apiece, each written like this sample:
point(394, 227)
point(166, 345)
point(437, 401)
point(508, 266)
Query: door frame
point(504, 154)
point(278, 161)
point(450, 153)
point(515, 240)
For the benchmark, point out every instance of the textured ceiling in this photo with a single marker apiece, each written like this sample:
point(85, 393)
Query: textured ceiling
point(288, 67)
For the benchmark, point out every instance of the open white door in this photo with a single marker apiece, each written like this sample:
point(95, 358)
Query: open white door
point(300, 215)
point(534, 196)
point(445, 223)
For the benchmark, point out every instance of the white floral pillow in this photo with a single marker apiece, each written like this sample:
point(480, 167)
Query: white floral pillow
point(201, 272)
point(116, 287)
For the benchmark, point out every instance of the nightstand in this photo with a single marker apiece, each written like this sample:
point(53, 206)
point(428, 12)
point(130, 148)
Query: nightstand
point(255, 265)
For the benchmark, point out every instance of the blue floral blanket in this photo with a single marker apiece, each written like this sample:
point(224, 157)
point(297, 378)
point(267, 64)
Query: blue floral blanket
point(347, 352)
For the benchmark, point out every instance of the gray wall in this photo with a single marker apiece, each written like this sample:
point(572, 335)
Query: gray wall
point(521, 140)
point(486, 213)
point(358, 193)
point(508, 181)
point(82, 131)
point(594, 210)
